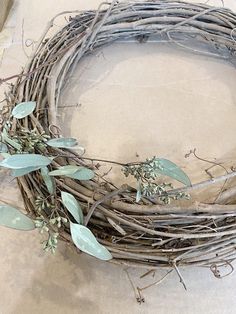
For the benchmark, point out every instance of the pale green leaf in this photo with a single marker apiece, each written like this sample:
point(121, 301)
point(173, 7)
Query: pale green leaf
point(74, 172)
point(13, 218)
point(3, 148)
point(73, 206)
point(23, 171)
point(86, 242)
point(9, 141)
point(170, 169)
point(62, 142)
point(5, 155)
point(64, 170)
point(82, 174)
point(23, 109)
point(49, 182)
point(19, 161)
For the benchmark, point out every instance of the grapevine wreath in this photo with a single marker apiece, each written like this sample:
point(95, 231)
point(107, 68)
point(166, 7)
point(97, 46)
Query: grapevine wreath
point(63, 192)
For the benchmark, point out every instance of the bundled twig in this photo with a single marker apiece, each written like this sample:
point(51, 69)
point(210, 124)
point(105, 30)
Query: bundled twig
point(145, 234)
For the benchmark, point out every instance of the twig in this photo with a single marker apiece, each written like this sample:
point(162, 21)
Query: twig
point(204, 184)
point(147, 273)
point(180, 276)
point(216, 272)
point(97, 160)
point(139, 298)
point(156, 282)
point(105, 198)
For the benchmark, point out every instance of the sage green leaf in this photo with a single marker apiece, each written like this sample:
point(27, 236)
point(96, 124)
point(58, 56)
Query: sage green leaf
point(23, 109)
point(74, 172)
point(14, 144)
point(13, 218)
point(82, 174)
point(70, 202)
point(19, 161)
point(5, 155)
point(9, 141)
point(3, 148)
point(49, 181)
point(86, 242)
point(64, 170)
point(62, 142)
point(170, 169)
point(23, 171)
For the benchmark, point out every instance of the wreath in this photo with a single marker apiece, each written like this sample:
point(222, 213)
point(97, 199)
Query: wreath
point(63, 192)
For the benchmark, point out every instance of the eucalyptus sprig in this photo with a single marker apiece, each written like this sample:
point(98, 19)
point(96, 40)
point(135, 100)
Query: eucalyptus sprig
point(146, 173)
point(50, 245)
point(49, 227)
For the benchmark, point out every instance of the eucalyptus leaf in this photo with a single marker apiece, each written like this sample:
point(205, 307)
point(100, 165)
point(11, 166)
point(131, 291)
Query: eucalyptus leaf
point(19, 161)
point(23, 109)
point(3, 148)
point(64, 170)
point(13, 218)
point(62, 142)
point(74, 172)
point(49, 181)
point(86, 242)
point(79, 149)
point(23, 171)
point(5, 155)
point(83, 174)
point(170, 169)
point(73, 206)
point(9, 141)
